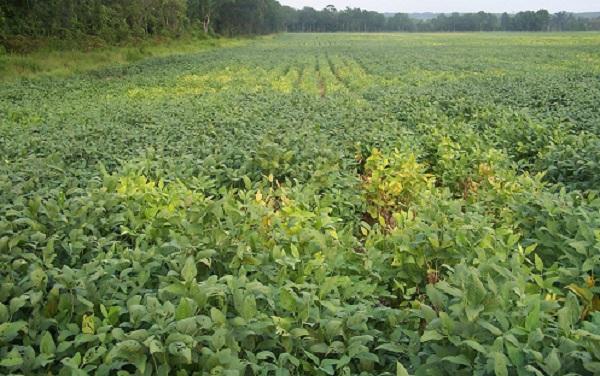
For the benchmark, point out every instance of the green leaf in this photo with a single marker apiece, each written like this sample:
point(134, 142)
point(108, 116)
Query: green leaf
point(494, 330)
point(154, 346)
point(319, 348)
point(247, 182)
point(534, 370)
point(515, 355)
point(218, 339)
point(327, 366)
point(139, 360)
point(73, 362)
point(473, 312)
point(453, 291)
point(569, 313)
point(217, 316)
point(47, 345)
point(400, 370)
point(334, 328)
point(189, 270)
point(458, 359)
point(38, 277)
point(64, 346)
point(48, 253)
point(580, 246)
point(592, 367)
point(357, 322)
point(177, 289)
point(427, 312)
point(431, 335)
point(475, 346)
point(287, 357)
point(299, 332)
point(533, 317)
point(539, 264)
point(129, 347)
point(500, 364)
point(343, 361)
point(366, 355)
point(4, 315)
point(181, 350)
point(163, 370)
point(184, 309)
point(12, 359)
point(204, 322)
point(18, 302)
point(476, 292)
point(249, 307)
point(437, 298)
point(392, 347)
point(287, 300)
point(10, 330)
point(552, 364)
point(264, 355)
point(112, 315)
point(187, 326)
point(315, 359)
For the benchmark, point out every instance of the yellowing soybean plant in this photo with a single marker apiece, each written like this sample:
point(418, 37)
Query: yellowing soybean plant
point(343, 204)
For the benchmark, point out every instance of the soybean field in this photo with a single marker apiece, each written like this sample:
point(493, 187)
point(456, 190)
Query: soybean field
point(322, 204)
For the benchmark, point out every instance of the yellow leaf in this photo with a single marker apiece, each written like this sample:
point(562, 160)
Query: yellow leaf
point(582, 292)
point(590, 282)
point(596, 303)
point(87, 324)
point(259, 196)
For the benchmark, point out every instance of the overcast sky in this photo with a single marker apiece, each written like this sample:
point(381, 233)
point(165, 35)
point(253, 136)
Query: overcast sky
point(496, 6)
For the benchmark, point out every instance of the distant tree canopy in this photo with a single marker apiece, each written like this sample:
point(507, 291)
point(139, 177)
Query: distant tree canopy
point(355, 19)
point(114, 20)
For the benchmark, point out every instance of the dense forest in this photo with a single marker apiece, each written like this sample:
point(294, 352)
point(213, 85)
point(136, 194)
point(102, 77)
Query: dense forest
point(331, 19)
point(115, 20)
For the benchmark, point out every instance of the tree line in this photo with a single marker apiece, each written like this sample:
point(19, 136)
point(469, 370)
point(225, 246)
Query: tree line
point(331, 19)
point(115, 20)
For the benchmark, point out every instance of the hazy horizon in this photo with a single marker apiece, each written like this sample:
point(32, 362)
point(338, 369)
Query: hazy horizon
point(449, 6)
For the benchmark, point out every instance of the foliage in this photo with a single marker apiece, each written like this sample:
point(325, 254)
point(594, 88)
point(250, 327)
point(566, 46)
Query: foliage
point(330, 19)
point(384, 206)
point(27, 25)
point(394, 183)
point(58, 58)
point(22, 23)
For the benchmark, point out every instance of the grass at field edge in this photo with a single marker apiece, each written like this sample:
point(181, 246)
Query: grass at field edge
point(54, 62)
